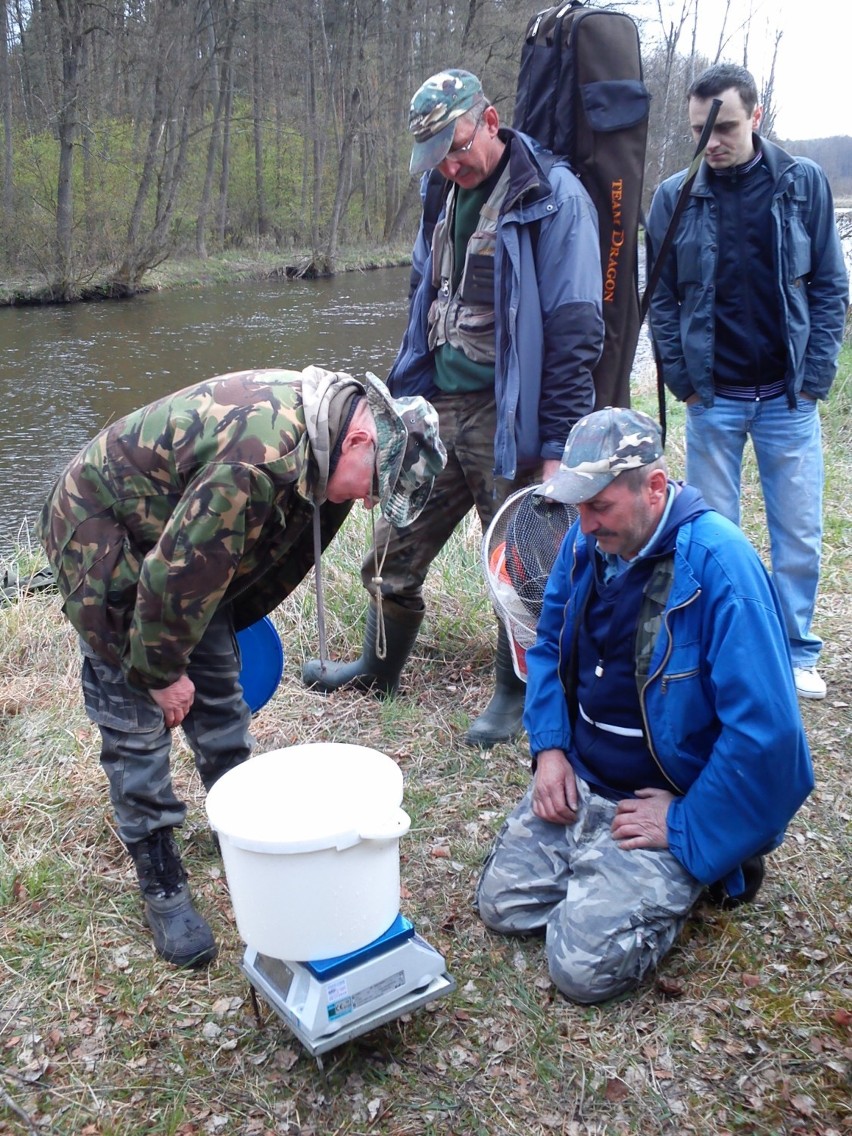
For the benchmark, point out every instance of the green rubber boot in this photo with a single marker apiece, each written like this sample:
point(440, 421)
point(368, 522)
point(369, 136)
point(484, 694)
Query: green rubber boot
point(370, 672)
point(502, 719)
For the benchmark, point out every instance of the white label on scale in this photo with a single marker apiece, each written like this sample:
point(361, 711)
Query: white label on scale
point(338, 1002)
point(379, 989)
point(336, 990)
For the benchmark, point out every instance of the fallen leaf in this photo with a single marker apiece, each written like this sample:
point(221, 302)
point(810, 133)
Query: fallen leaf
point(751, 980)
point(804, 1105)
point(440, 852)
point(616, 1089)
point(670, 987)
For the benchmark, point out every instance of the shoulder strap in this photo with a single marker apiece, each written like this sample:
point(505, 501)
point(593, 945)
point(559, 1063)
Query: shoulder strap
point(437, 188)
point(665, 247)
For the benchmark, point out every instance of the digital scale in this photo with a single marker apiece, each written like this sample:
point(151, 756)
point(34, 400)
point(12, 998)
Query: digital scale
point(328, 1002)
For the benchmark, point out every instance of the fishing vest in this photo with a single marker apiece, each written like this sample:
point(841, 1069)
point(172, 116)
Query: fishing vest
point(464, 318)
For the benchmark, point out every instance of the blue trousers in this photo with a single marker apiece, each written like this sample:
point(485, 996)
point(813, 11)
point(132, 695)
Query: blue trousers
point(788, 447)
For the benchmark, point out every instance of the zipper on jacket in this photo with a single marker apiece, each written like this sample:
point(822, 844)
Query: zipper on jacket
point(650, 679)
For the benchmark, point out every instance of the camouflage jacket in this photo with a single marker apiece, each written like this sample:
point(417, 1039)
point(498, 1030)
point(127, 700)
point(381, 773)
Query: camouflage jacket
point(201, 498)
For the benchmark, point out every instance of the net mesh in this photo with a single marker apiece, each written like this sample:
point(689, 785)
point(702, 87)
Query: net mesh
point(518, 551)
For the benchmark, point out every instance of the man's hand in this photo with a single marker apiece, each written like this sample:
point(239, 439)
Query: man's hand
point(640, 821)
point(554, 789)
point(549, 467)
point(175, 700)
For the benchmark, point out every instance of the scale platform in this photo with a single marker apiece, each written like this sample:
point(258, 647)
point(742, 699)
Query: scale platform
point(328, 1002)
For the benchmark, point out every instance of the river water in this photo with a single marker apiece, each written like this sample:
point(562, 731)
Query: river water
point(66, 371)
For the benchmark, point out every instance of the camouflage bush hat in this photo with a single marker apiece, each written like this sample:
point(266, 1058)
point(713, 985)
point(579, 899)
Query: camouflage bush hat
point(409, 453)
point(600, 447)
point(433, 113)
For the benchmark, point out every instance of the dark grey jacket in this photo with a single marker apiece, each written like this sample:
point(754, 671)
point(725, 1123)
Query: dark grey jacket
point(811, 276)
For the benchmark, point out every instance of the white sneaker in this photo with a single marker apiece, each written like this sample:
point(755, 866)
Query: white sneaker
point(808, 682)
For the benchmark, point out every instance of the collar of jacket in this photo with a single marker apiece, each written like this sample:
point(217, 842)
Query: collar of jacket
point(527, 177)
point(777, 160)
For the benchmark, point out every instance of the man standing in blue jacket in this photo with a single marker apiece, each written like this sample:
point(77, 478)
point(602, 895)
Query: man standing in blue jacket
point(748, 322)
point(667, 744)
point(504, 329)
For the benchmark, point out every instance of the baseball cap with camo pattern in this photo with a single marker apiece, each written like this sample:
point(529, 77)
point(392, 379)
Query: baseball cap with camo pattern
point(436, 106)
point(409, 452)
point(600, 447)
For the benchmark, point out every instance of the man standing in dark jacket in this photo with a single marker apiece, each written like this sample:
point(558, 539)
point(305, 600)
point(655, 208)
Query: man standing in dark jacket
point(748, 321)
point(504, 329)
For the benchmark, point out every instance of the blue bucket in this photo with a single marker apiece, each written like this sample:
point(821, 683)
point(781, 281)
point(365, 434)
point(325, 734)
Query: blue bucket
point(262, 662)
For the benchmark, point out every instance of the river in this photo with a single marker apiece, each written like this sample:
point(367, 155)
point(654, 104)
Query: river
point(66, 371)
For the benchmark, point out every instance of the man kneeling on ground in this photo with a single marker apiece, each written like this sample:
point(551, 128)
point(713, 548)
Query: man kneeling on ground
point(668, 750)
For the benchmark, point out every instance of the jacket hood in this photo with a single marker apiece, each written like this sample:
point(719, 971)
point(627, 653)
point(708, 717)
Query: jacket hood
point(687, 505)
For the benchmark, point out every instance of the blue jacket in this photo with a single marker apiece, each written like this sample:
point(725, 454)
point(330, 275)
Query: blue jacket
point(809, 266)
point(719, 705)
point(549, 326)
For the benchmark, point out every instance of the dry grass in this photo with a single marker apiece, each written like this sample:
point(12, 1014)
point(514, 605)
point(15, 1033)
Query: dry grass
point(747, 1028)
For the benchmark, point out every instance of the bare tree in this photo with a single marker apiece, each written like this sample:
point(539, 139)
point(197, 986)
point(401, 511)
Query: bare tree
point(179, 70)
point(7, 192)
point(219, 28)
point(73, 20)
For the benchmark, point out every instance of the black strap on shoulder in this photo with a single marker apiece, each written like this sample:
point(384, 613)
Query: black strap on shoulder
point(666, 244)
point(437, 188)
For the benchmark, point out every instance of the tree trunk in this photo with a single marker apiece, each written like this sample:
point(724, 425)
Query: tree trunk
point(262, 224)
point(71, 25)
point(7, 193)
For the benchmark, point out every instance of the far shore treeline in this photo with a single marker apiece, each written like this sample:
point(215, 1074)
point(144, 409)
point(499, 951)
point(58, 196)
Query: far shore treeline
point(138, 132)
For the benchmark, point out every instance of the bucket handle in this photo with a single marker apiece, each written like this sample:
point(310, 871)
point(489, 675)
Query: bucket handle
point(389, 829)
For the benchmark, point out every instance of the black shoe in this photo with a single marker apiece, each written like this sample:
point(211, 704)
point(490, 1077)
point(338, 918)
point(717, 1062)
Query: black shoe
point(753, 869)
point(181, 935)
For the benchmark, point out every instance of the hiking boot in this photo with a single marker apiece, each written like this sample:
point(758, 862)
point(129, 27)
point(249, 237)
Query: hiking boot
point(809, 684)
point(753, 869)
point(181, 935)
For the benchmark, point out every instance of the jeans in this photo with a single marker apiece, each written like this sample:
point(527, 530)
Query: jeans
point(788, 447)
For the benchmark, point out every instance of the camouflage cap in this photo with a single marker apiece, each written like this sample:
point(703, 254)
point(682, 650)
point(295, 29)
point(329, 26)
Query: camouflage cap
point(409, 453)
point(433, 113)
point(600, 447)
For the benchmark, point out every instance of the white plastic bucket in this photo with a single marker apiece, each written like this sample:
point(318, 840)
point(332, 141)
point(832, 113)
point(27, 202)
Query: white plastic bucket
point(310, 842)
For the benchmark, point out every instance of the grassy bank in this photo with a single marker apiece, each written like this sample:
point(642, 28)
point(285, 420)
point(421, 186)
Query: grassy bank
point(222, 268)
point(746, 1029)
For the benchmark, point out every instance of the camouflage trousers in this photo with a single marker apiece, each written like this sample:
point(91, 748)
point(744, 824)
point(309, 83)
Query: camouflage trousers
point(135, 744)
point(467, 423)
point(608, 916)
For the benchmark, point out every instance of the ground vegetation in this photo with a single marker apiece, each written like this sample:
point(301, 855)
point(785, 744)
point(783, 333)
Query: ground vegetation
point(746, 1030)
